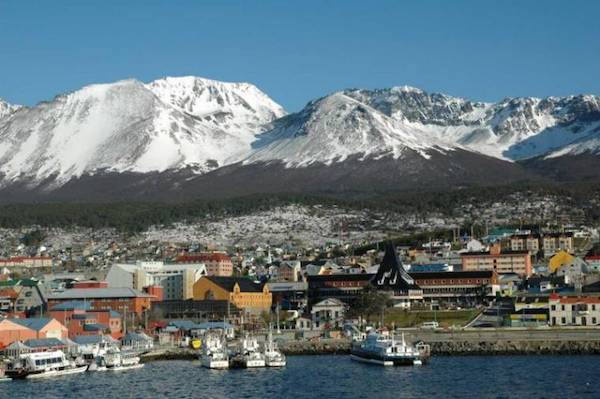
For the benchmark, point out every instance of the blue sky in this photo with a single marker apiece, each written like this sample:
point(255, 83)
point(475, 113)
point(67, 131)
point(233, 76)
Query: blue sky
point(299, 50)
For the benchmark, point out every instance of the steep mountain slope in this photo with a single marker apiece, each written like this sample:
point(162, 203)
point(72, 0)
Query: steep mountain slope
point(336, 127)
point(6, 109)
point(516, 128)
point(126, 127)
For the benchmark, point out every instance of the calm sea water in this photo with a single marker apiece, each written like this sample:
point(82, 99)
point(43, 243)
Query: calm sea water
point(335, 377)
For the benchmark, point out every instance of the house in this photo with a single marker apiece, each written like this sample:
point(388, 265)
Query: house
point(241, 292)
point(289, 295)
point(552, 243)
point(217, 263)
point(303, 323)
point(593, 262)
point(328, 314)
point(177, 280)
point(29, 297)
point(12, 330)
point(518, 262)
point(574, 310)
point(220, 326)
point(289, 271)
point(525, 242)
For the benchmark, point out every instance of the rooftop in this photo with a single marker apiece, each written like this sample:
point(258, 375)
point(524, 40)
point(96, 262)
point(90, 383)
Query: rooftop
point(94, 293)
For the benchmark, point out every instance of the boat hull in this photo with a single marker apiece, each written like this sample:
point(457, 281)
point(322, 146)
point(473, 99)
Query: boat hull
point(210, 363)
point(127, 367)
point(275, 363)
point(253, 363)
point(48, 373)
point(372, 358)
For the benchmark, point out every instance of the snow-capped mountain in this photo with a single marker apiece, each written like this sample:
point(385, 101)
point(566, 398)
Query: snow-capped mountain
point(6, 109)
point(513, 129)
point(191, 135)
point(129, 126)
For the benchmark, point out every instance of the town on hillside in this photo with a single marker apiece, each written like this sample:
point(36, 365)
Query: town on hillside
point(174, 294)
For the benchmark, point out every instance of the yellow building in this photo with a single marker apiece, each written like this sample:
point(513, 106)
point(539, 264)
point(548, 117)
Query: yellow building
point(559, 260)
point(241, 292)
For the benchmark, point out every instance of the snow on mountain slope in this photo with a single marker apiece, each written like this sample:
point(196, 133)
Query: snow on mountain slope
point(7, 109)
point(513, 129)
point(335, 127)
point(125, 126)
point(240, 109)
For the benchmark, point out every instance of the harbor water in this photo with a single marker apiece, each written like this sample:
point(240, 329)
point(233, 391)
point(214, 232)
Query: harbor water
point(334, 377)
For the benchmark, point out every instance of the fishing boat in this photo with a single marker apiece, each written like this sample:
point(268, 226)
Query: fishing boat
point(214, 353)
point(387, 351)
point(273, 357)
point(250, 352)
point(43, 364)
point(115, 360)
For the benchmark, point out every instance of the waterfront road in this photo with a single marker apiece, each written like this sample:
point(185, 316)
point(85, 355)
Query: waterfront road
point(504, 334)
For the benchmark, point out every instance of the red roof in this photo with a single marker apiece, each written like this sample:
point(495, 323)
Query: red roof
point(592, 257)
point(575, 299)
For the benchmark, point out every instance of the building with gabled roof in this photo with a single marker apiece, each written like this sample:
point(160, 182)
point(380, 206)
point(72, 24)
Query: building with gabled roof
point(241, 292)
point(12, 330)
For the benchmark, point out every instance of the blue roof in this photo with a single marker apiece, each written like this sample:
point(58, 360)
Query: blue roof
point(34, 323)
point(214, 324)
point(133, 336)
point(183, 324)
point(44, 343)
point(114, 314)
point(73, 305)
point(94, 327)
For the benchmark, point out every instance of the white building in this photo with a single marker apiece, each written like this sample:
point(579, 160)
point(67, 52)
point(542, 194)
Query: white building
point(574, 310)
point(177, 280)
point(329, 313)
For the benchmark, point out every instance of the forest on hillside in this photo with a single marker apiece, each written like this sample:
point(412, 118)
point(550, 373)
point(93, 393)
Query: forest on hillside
point(138, 216)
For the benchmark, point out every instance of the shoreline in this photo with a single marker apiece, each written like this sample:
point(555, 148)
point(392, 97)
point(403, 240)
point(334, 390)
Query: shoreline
point(457, 347)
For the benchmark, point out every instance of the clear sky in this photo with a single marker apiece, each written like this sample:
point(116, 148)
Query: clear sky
point(298, 50)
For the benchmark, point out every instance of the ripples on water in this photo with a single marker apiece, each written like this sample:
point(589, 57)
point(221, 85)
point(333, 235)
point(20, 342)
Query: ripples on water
point(334, 377)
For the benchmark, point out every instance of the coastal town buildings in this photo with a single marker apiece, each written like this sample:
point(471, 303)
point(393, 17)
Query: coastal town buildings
point(20, 296)
point(241, 292)
point(217, 263)
point(499, 261)
point(12, 330)
point(26, 262)
point(122, 300)
point(574, 310)
point(328, 314)
point(81, 319)
point(177, 280)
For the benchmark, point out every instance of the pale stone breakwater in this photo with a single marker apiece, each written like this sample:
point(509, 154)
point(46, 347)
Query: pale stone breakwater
point(444, 343)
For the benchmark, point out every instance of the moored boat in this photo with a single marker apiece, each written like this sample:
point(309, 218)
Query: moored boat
point(42, 365)
point(377, 349)
point(214, 353)
point(251, 355)
point(116, 360)
point(273, 357)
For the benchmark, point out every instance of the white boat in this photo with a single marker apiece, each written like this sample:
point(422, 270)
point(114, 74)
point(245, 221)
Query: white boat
point(214, 352)
point(273, 357)
point(384, 351)
point(251, 355)
point(42, 365)
point(115, 360)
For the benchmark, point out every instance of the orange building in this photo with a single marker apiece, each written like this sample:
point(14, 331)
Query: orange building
point(518, 262)
point(12, 330)
point(242, 292)
point(217, 263)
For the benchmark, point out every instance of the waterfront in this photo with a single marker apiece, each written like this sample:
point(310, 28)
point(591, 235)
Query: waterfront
point(335, 377)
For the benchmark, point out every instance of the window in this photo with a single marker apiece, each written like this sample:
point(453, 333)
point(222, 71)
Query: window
point(553, 307)
point(563, 320)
